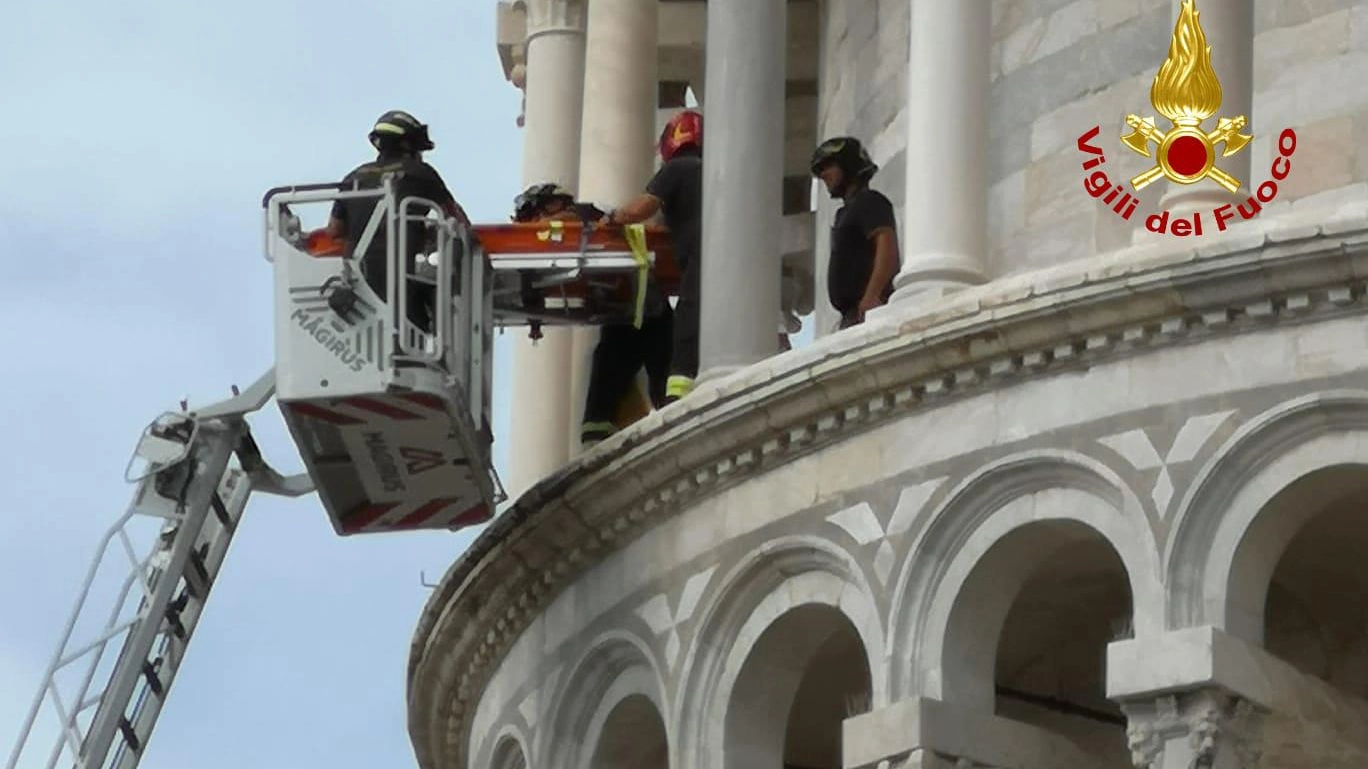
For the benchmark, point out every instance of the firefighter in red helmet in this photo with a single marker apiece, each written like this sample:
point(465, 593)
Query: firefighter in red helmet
point(676, 190)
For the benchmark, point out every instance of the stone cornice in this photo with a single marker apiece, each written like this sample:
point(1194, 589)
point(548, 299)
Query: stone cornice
point(1300, 266)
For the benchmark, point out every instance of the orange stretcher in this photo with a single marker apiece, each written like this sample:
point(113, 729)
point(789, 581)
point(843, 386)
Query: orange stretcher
point(569, 272)
point(558, 273)
point(536, 242)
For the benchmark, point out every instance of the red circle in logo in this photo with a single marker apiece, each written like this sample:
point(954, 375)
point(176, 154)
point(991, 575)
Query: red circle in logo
point(1187, 155)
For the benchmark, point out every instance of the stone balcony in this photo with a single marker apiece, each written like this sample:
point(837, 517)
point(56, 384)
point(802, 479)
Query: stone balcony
point(818, 406)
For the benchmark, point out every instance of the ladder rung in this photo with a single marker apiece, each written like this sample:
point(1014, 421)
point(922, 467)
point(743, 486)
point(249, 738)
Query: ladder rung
point(173, 611)
point(197, 580)
point(153, 682)
point(129, 735)
point(220, 511)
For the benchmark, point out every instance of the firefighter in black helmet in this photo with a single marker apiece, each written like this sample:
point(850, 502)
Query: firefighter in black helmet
point(399, 140)
point(547, 201)
point(864, 237)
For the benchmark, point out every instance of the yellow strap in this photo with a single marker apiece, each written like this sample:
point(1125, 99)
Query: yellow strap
point(556, 231)
point(636, 240)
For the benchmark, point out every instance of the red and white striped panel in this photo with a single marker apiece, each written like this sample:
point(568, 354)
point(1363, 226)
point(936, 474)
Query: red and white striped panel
point(359, 410)
point(444, 513)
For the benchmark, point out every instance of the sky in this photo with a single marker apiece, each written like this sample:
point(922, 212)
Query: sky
point(142, 135)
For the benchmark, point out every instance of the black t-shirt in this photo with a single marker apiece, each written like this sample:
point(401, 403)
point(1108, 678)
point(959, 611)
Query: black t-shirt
point(415, 178)
point(679, 187)
point(852, 248)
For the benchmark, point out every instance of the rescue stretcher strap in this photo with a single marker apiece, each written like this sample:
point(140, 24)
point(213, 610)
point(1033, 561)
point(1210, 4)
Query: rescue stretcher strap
point(636, 239)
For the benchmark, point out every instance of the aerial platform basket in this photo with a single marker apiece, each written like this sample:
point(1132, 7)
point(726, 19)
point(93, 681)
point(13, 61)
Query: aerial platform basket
point(391, 418)
point(574, 273)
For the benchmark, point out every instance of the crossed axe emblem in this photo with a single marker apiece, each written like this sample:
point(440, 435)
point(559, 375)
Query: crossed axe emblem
point(1145, 131)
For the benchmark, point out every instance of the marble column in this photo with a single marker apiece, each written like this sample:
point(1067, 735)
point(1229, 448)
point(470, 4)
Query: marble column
point(743, 174)
point(945, 237)
point(1229, 29)
point(617, 135)
point(541, 415)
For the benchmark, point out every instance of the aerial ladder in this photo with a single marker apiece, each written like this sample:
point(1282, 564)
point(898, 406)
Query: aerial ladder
point(391, 419)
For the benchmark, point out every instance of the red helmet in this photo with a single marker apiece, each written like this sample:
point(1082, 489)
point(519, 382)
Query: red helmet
point(684, 129)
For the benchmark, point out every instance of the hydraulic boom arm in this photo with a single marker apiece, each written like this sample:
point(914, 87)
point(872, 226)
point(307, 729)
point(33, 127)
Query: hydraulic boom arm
point(188, 482)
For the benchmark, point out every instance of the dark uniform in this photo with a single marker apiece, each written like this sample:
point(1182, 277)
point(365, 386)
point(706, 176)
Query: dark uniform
point(622, 351)
point(863, 212)
point(416, 178)
point(679, 187)
point(852, 251)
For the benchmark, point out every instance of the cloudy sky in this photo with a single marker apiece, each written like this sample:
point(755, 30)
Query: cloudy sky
point(141, 137)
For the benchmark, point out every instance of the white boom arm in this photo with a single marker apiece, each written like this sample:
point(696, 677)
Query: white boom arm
point(189, 482)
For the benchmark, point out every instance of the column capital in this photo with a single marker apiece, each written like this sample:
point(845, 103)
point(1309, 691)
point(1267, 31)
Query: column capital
point(545, 16)
point(1209, 727)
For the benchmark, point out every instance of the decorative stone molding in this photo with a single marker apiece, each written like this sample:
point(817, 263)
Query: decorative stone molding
point(553, 16)
point(978, 514)
point(764, 585)
point(1292, 269)
point(1206, 729)
point(1242, 463)
point(519, 21)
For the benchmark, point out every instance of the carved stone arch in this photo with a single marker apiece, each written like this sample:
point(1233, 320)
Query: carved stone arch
point(616, 666)
point(784, 574)
point(1224, 542)
point(510, 750)
point(988, 507)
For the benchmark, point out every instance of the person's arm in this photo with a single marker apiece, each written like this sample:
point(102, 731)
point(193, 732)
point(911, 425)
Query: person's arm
point(337, 221)
point(638, 209)
point(453, 209)
point(648, 203)
point(879, 226)
point(444, 198)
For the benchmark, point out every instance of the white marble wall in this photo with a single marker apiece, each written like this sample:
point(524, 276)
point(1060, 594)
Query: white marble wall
point(1060, 67)
point(862, 90)
point(900, 527)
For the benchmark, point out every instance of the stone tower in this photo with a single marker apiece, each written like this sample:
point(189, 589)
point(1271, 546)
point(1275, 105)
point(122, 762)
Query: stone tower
point(1083, 494)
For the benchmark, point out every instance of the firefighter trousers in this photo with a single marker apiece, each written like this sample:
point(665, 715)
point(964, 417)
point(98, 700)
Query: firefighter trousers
point(621, 352)
point(684, 360)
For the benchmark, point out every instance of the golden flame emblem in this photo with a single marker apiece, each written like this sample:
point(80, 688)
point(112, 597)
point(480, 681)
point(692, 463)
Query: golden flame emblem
point(1187, 92)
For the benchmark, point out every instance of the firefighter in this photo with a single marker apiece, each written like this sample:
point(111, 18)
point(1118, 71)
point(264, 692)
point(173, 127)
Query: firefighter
point(545, 202)
point(612, 402)
point(864, 238)
point(676, 190)
point(400, 140)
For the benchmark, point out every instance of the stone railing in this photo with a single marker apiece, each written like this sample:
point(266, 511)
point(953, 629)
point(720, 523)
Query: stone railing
point(1292, 268)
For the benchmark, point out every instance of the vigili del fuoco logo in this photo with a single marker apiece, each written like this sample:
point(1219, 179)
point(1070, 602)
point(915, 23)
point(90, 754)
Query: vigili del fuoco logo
point(1187, 93)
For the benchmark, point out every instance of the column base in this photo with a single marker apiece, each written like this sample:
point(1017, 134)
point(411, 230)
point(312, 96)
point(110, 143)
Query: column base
point(928, 278)
point(713, 373)
point(1181, 205)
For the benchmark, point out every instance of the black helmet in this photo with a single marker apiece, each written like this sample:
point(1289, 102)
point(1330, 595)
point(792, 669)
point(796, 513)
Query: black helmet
point(401, 130)
point(848, 154)
point(527, 205)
